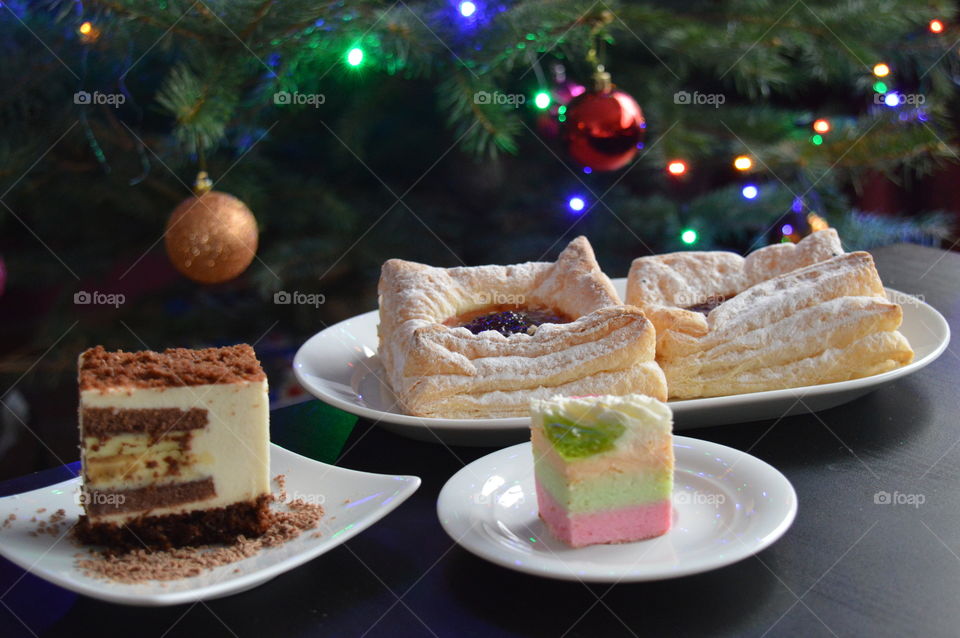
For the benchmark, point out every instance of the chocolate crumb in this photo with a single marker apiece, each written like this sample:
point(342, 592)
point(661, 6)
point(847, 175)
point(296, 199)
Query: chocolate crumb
point(41, 510)
point(281, 481)
point(287, 520)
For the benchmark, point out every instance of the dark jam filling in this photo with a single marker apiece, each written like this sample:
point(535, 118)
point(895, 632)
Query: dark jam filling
point(508, 322)
point(707, 306)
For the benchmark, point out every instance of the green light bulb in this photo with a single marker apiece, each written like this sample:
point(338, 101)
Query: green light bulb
point(817, 140)
point(880, 87)
point(541, 100)
point(355, 56)
point(689, 237)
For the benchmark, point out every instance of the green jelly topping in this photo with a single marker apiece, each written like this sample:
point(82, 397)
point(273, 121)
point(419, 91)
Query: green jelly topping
point(575, 441)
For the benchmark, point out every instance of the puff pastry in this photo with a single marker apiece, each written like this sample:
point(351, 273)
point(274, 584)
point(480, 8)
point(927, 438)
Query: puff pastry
point(786, 316)
point(437, 368)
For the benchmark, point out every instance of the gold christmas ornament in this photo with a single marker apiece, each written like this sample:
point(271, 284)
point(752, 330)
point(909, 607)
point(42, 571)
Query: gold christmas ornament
point(212, 236)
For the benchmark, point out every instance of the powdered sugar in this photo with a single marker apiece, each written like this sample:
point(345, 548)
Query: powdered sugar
point(437, 370)
point(806, 327)
point(690, 278)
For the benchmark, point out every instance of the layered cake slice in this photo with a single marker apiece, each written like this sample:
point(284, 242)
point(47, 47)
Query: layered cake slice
point(174, 447)
point(603, 467)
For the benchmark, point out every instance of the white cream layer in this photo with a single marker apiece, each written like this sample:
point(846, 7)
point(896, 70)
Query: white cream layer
point(646, 442)
point(234, 447)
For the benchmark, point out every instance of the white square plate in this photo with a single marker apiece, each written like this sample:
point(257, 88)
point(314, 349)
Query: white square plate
point(352, 501)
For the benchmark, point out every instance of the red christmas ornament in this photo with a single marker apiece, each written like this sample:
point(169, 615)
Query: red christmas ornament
point(603, 127)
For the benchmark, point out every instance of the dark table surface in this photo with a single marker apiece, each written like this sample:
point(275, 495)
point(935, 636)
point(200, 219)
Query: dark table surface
point(848, 566)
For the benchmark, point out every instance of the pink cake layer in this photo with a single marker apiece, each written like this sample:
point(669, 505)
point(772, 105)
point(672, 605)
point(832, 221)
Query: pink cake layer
point(621, 525)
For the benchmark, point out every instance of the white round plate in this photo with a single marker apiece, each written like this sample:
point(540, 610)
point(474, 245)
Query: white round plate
point(340, 366)
point(728, 505)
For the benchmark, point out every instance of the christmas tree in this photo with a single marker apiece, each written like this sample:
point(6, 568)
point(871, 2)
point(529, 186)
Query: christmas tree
point(440, 132)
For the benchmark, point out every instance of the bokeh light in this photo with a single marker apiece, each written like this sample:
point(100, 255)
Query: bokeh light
point(677, 167)
point(355, 56)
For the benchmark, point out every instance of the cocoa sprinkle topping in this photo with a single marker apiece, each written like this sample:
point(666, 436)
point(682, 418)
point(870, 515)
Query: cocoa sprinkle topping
point(100, 369)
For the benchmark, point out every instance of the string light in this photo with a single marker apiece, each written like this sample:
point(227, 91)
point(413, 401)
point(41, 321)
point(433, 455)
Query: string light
point(587, 170)
point(743, 163)
point(936, 26)
point(816, 140)
point(880, 87)
point(750, 191)
point(786, 229)
point(677, 167)
point(881, 70)
point(467, 9)
point(892, 99)
point(355, 56)
point(689, 236)
point(541, 100)
point(576, 204)
point(88, 32)
point(821, 126)
point(816, 222)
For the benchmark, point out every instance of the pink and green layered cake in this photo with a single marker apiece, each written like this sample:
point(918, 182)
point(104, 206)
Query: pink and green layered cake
point(603, 467)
